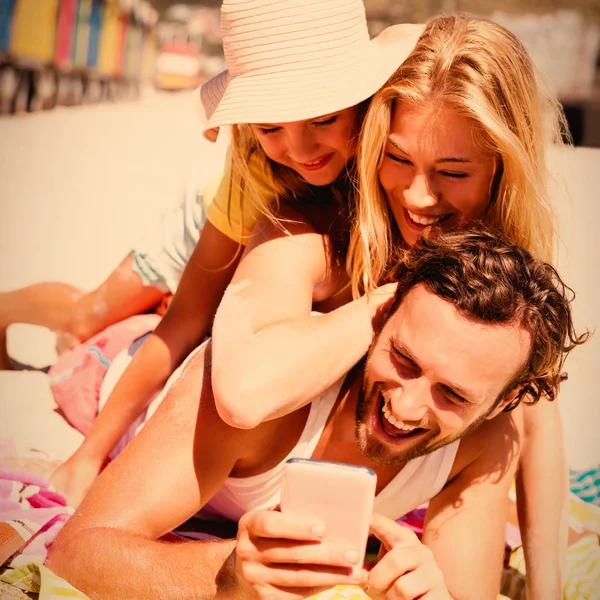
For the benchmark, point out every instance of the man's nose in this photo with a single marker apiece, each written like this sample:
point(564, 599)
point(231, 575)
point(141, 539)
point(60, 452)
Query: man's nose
point(419, 193)
point(409, 402)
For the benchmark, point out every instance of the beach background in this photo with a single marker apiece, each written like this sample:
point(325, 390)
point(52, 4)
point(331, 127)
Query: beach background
point(80, 185)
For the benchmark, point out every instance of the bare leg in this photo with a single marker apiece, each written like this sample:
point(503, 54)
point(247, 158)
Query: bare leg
point(81, 315)
point(48, 304)
point(122, 295)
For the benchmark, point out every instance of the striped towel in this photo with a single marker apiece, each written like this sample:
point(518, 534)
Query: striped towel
point(582, 573)
point(352, 592)
point(586, 484)
point(31, 514)
point(38, 579)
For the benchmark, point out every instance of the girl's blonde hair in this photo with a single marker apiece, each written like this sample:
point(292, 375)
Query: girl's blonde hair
point(284, 182)
point(483, 72)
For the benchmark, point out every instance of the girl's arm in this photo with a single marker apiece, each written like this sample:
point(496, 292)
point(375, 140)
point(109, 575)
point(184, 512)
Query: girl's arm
point(186, 322)
point(542, 500)
point(270, 356)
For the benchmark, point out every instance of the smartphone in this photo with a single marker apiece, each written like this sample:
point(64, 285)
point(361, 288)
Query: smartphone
point(341, 495)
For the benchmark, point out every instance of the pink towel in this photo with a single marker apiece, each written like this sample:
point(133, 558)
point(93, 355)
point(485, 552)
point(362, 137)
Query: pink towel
point(30, 514)
point(77, 375)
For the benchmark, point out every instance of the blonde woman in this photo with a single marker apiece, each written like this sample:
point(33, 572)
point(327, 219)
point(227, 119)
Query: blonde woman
point(473, 76)
point(456, 136)
point(316, 76)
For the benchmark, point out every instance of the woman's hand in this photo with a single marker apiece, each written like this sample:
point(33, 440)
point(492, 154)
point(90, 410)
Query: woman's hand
point(283, 556)
point(379, 302)
point(405, 569)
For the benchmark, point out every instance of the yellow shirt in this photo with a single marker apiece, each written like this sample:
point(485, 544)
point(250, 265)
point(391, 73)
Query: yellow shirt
point(229, 213)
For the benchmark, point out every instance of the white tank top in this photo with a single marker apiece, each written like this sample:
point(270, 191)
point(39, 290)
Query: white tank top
point(419, 481)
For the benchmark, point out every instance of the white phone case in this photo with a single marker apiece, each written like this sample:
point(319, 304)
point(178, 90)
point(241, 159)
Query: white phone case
point(341, 495)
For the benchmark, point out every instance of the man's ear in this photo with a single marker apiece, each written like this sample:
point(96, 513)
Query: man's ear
point(506, 401)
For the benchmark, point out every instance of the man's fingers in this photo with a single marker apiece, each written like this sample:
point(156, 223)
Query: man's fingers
point(391, 533)
point(277, 525)
point(307, 578)
point(389, 569)
point(314, 553)
point(415, 584)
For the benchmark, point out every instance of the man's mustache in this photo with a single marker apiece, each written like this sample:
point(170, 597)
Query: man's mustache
point(386, 394)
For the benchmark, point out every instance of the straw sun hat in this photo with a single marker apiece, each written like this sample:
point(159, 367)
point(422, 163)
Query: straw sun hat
point(291, 60)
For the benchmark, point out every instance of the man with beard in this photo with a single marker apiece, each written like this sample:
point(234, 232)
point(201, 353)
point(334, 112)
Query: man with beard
point(476, 326)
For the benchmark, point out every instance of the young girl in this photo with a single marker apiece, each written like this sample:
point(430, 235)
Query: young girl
point(456, 136)
point(325, 106)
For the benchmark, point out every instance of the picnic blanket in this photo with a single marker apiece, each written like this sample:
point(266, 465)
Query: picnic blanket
point(586, 484)
point(32, 514)
point(582, 572)
point(37, 580)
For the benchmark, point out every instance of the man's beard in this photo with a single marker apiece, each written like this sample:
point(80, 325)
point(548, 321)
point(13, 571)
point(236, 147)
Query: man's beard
point(384, 454)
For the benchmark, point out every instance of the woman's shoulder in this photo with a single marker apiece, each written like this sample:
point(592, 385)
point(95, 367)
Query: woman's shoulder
point(289, 236)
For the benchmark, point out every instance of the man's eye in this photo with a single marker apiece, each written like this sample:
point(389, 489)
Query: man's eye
point(403, 360)
point(454, 398)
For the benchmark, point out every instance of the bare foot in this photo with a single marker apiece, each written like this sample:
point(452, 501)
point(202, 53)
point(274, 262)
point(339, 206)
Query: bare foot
point(65, 341)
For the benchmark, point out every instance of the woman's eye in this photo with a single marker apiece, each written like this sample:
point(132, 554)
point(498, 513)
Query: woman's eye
point(268, 130)
point(453, 175)
point(326, 123)
point(402, 161)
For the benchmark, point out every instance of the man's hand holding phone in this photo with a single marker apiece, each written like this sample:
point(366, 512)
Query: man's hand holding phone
point(287, 556)
point(405, 569)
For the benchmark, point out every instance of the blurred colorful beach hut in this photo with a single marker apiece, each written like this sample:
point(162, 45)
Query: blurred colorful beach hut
point(6, 13)
point(59, 51)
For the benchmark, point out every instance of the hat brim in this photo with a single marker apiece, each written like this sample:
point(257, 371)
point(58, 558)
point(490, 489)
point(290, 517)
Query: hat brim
point(300, 94)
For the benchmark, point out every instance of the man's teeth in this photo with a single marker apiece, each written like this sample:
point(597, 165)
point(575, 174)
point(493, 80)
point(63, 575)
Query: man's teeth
point(424, 220)
point(387, 413)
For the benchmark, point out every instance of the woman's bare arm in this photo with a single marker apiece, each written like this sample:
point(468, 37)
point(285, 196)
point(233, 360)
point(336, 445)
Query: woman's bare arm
point(542, 502)
point(270, 356)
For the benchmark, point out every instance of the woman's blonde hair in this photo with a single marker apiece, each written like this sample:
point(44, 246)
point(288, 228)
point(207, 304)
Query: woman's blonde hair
point(483, 72)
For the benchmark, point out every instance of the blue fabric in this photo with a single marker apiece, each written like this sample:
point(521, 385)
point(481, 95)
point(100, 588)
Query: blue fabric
point(6, 13)
point(586, 484)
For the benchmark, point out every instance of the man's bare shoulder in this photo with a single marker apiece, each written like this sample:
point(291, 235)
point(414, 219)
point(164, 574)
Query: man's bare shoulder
point(193, 402)
point(489, 450)
point(215, 441)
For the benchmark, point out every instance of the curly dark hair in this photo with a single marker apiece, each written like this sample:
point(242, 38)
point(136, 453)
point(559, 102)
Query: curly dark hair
point(490, 280)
